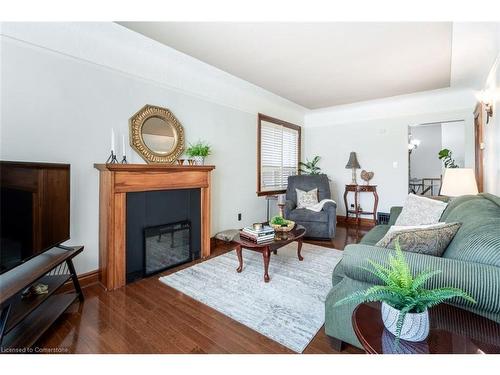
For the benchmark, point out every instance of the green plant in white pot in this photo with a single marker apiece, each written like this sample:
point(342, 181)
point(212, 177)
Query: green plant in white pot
point(198, 152)
point(405, 302)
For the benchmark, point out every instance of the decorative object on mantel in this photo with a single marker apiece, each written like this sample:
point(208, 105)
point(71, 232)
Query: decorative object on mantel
point(367, 176)
point(310, 167)
point(156, 134)
point(180, 161)
point(353, 164)
point(191, 162)
point(124, 151)
point(112, 157)
point(405, 302)
point(198, 152)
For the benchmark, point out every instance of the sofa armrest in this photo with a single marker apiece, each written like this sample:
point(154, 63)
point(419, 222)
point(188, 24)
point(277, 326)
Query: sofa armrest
point(481, 281)
point(395, 212)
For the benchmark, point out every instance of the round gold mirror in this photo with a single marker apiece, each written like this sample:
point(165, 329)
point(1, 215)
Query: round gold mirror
point(156, 135)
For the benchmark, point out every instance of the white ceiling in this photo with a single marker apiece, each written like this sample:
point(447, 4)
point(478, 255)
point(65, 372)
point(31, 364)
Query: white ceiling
point(318, 65)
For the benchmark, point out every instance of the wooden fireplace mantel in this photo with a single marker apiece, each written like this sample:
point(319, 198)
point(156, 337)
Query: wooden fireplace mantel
point(115, 181)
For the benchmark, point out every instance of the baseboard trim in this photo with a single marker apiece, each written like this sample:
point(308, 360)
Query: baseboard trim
point(363, 222)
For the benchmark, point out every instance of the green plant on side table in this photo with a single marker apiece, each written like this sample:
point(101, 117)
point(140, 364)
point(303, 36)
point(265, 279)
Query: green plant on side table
point(198, 152)
point(405, 302)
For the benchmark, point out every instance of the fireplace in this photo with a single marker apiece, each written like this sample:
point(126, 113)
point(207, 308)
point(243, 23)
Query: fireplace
point(133, 197)
point(163, 230)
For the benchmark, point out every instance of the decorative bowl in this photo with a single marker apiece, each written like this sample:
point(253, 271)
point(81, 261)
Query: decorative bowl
point(280, 228)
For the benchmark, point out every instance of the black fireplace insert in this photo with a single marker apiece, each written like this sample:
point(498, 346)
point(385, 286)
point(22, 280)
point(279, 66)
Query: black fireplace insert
point(167, 246)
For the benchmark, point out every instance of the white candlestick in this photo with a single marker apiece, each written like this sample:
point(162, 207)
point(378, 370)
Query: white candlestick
point(123, 146)
point(112, 140)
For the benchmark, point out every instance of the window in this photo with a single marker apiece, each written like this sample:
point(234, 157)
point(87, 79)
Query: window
point(278, 154)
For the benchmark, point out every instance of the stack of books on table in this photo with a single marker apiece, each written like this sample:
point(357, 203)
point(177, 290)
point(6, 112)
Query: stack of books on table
point(262, 235)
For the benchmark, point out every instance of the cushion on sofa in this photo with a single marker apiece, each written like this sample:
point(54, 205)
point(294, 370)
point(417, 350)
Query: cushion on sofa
point(424, 239)
point(419, 210)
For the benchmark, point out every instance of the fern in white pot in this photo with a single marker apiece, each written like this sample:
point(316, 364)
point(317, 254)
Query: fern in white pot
point(405, 302)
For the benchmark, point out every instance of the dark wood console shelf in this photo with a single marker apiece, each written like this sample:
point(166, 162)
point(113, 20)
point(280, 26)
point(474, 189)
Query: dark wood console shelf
point(24, 320)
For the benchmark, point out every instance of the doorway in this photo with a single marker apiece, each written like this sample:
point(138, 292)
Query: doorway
point(431, 146)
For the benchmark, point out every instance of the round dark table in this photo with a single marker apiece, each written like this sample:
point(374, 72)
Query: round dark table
point(453, 330)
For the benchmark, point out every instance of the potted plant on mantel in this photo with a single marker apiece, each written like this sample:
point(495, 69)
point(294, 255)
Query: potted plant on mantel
point(198, 152)
point(405, 303)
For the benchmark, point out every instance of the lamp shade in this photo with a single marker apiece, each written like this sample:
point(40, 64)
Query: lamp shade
point(353, 161)
point(458, 181)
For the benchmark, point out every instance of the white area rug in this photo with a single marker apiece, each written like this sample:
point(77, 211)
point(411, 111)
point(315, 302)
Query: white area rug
point(289, 309)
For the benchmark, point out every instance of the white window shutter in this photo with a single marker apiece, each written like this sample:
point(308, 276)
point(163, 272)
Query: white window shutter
point(279, 150)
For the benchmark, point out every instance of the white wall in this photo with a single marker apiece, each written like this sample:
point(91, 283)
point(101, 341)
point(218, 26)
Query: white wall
point(424, 159)
point(378, 131)
point(453, 138)
point(64, 86)
point(492, 134)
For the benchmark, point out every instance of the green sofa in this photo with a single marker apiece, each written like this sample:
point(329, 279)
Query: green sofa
point(471, 262)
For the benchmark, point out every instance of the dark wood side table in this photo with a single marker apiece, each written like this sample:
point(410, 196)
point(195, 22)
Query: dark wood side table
point(358, 189)
point(453, 330)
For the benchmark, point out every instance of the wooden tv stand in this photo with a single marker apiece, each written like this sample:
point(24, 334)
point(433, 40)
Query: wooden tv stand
point(24, 320)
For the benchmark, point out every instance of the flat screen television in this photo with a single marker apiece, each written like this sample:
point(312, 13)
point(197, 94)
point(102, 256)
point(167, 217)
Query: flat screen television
point(34, 210)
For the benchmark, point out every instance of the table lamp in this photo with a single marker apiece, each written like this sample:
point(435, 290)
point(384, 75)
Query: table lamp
point(458, 181)
point(352, 163)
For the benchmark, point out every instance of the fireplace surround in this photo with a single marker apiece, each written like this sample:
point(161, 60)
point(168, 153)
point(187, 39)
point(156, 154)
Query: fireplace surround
point(116, 181)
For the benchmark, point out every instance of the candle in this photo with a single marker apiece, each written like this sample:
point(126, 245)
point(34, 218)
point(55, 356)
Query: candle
point(123, 145)
point(112, 140)
point(281, 199)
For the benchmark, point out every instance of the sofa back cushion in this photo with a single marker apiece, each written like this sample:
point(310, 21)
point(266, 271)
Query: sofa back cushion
point(478, 239)
point(419, 210)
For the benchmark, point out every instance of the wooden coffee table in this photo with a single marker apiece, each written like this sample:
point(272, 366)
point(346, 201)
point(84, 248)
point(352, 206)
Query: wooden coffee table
point(280, 239)
point(453, 330)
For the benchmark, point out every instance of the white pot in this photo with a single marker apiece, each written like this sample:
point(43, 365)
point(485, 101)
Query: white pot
point(199, 160)
point(415, 326)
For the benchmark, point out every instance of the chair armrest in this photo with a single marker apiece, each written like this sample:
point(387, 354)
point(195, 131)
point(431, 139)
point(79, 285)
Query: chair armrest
point(289, 206)
point(330, 208)
point(395, 212)
point(481, 281)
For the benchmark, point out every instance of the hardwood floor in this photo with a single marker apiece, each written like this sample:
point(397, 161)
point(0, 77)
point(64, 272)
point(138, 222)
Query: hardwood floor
point(149, 317)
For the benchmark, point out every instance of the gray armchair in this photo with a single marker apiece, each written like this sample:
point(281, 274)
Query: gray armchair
point(319, 225)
